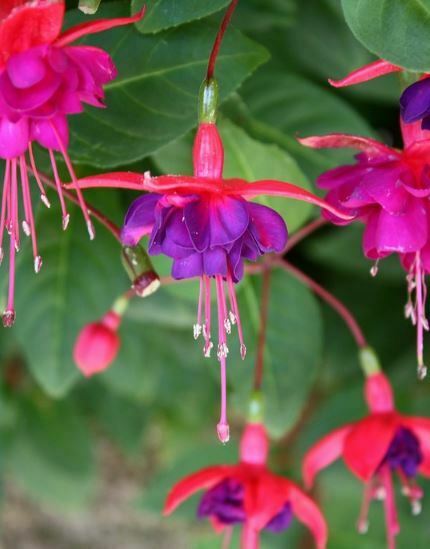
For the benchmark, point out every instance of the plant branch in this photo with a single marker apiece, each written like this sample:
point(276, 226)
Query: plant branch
point(217, 44)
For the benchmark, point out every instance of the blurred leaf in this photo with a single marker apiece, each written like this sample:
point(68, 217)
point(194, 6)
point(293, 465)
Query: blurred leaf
point(162, 14)
point(292, 353)
point(77, 284)
point(260, 15)
point(394, 30)
point(248, 159)
point(154, 99)
point(51, 457)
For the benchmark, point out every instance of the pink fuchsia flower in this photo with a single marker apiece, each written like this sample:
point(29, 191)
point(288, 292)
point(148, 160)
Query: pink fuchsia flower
point(249, 495)
point(383, 443)
point(209, 227)
point(387, 189)
point(43, 79)
point(415, 99)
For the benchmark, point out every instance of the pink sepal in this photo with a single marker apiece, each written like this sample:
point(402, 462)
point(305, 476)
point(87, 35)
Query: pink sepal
point(366, 73)
point(308, 513)
point(344, 140)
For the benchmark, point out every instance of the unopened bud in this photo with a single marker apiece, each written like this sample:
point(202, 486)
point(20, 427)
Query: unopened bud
point(145, 281)
point(98, 344)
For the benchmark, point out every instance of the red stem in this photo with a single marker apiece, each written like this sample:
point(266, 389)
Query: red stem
point(110, 225)
point(303, 233)
point(217, 44)
point(330, 299)
point(264, 314)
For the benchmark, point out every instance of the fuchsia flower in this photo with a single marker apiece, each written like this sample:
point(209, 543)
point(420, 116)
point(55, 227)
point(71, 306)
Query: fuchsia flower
point(383, 443)
point(208, 226)
point(250, 495)
point(388, 190)
point(42, 80)
point(415, 99)
point(98, 344)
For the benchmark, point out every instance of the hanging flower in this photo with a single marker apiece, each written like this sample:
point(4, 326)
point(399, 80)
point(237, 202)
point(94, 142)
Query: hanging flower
point(42, 80)
point(387, 189)
point(415, 99)
point(248, 494)
point(383, 443)
point(209, 227)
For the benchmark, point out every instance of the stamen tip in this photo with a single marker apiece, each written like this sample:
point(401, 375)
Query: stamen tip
point(8, 318)
point(421, 372)
point(223, 431)
point(207, 349)
point(91, 230)
point(197, 330)
point(26, 228)
point(37, 264)
point(45, 200)
point(1, 255)
point(243, 351)
point(363, 526)
point(65, 222)
point(416, 507)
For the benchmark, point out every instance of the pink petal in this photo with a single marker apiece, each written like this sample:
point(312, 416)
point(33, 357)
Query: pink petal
point(14, 137)
point(203, 479)
point(93, 27)
point(413, 132)
point(308, 513)
point(366, 73)
point(323, 453)
point(120, 180)
point(31, 24)
point(343, 140)
point(420, 426)
point(367, 443)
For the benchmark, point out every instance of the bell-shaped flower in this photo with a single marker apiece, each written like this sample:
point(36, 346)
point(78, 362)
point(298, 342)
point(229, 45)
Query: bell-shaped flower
point(43, 80)
point(374, 448)
point(248, 494)
point(388, 190)
point(208, 226)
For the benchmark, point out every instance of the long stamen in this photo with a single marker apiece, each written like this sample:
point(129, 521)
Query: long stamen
point(207, 324)
point(37, 177)
point(9, 313)
point(391, 520)
point(235, 316)
point(363, 522)
point(6, 185)
point(197, 328)
point(72, 173)
point(412, 491)
point(223, 429)
point(66, 216)
point(421, 319)
point(28, 208)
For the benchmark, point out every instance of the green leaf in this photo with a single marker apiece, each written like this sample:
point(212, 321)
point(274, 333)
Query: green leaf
point(292, 352)
point(51, 456)
point(295, 106)
point(394, 30)
point(163, 14)
point(248, 159)
point(154, 98)
point(78, 282)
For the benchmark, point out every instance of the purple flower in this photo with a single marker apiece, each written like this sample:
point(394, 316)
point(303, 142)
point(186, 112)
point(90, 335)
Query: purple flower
point(404, 453)
point(415, 103)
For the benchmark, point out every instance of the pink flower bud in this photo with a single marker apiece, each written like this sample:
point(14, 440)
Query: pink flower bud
point(378, 393)
point(254, 445)
point(97, 344)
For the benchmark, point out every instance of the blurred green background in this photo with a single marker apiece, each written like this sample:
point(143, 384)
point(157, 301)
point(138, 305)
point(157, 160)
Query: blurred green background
point(87, 463)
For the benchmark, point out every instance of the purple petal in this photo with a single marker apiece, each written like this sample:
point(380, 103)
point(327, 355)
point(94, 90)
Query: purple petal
point(215, 262)
point(139, 219)
point(267, 227)
point(188, 267)
point(14, 137)
point(216, 221)
point(404, 452)
point(415, 101)
point(224, 502)
point(176, 242)
point(281, 521)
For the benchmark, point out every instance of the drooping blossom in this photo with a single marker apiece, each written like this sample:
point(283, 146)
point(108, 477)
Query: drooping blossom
point(415, 99)
point(97, 344)
point(209, 227)
point(43, 79)
point(388, 190)
point(248, 494)
point(383, 443)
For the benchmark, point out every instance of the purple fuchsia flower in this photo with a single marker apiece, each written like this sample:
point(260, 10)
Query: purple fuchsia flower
point(207, 225)
point(388, 190)
point(42, 80)
point(373, 448)
point(415, 99)
point(249, 495)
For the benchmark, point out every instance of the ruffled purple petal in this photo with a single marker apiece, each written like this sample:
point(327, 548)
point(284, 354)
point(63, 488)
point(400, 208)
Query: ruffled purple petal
point(267, 227)
point(139, 219)
point(415, 101)
point(225, 502)
point(215, 262)
point(281, 521)
point(188, 267)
